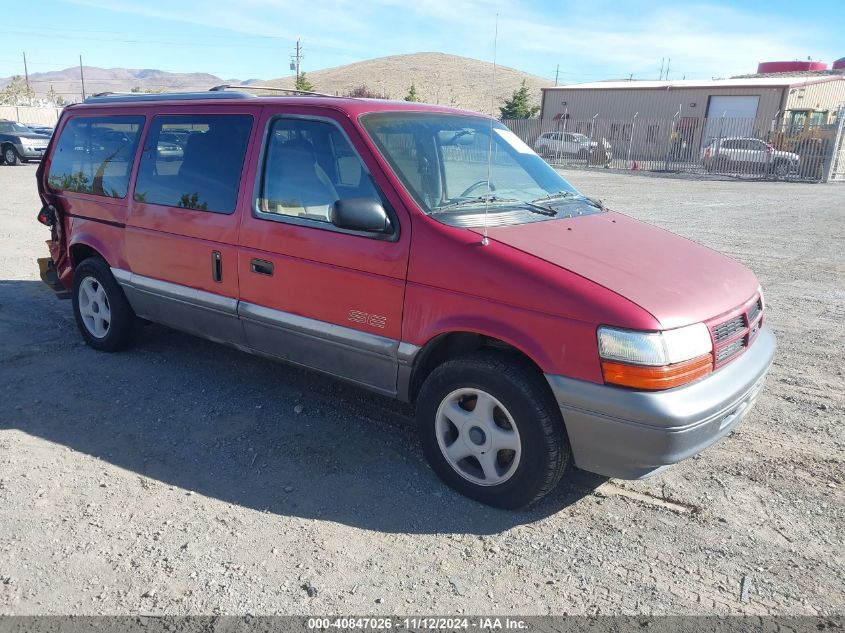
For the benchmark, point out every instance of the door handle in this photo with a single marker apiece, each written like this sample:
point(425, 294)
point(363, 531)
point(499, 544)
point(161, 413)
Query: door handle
point(261, 266)
point(216, 266)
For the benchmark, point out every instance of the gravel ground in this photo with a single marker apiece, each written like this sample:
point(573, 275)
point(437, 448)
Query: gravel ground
point(184, 477)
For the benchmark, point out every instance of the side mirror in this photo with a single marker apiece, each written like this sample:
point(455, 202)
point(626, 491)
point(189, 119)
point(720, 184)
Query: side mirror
point(360, 214)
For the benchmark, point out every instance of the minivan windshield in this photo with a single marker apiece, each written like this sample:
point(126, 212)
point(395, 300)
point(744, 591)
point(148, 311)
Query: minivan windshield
point(455, 164)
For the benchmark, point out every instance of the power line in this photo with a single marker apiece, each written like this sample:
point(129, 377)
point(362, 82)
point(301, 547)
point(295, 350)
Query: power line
point(41, 29)
point(181, 43)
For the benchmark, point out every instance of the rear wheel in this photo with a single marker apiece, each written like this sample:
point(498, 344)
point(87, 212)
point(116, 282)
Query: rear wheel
point(11, 156)
point(103, 315)
point(491, 430)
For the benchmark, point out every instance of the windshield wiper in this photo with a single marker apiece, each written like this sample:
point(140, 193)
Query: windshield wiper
point(596, 203)
point(539, 208)
point(555, 196)
point(488, 199)
point(474, 201)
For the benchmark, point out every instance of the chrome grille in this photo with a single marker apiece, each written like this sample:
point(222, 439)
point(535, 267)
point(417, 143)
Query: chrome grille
point(727, 329)
point(754, 311)
point(732, 335)
point(723, 353)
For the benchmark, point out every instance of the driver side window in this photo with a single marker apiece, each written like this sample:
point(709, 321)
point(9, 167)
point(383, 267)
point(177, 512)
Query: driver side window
point(308, 166)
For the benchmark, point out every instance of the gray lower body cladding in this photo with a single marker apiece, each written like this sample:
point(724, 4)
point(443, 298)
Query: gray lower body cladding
point(375, 362)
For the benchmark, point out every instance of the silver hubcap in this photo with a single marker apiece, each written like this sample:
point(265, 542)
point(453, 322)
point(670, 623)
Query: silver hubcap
point(10, 156)
point(478, 437)
point(94, 307)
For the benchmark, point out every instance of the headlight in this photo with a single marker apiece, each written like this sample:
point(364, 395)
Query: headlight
point(655, 360)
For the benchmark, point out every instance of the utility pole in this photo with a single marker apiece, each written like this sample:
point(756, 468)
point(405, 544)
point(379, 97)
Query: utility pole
point(668, 63)
point(26, 72)
point(296, 59)
point(557, 72)
point(662, 60)
point(82, 77)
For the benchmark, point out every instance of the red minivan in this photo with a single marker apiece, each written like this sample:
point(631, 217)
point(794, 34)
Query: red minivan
point(422, 252)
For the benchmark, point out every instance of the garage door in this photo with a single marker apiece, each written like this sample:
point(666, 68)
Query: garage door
point(730, 116)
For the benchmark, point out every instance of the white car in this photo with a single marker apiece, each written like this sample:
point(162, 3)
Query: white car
point(747, 155)
point(564, 144)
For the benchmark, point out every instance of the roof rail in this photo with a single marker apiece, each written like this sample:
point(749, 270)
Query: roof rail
point(125, 97)
point(224, 87)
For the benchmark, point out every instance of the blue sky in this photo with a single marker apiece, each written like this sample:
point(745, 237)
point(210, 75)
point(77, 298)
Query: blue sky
point(590, 39)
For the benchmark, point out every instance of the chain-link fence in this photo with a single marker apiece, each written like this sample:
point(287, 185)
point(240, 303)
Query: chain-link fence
point(723, 146)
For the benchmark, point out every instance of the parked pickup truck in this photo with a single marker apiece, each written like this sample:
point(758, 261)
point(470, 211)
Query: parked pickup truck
point(418, 251)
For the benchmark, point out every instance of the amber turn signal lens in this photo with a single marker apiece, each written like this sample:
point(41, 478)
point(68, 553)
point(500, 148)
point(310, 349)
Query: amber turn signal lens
point(656, 378)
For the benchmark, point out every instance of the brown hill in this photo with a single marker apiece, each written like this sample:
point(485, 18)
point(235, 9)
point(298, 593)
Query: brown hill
point(67, 82)
point(439, 78)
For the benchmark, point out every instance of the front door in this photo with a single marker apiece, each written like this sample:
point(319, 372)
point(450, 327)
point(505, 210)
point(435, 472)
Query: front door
point(312, 293)
point(181, 234)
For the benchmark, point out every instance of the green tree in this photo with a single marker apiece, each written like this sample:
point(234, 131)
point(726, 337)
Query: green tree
point(16, 92)
point(55, 98)
point(363, 92)
point(412, 94)
point(303, 84)
point(138, 90)
point(519, 105)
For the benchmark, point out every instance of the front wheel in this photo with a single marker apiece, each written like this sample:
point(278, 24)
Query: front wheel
point(491, 429)
point(11, 156)
point(781, 169)
point(103, 314)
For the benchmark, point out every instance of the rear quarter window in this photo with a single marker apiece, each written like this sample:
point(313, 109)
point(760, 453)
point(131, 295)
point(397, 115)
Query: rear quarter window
point(94, 155)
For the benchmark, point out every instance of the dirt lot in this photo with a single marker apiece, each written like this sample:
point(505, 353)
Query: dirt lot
point(185, 477)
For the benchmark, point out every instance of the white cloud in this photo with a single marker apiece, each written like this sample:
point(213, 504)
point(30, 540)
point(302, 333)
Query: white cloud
point(599, 38)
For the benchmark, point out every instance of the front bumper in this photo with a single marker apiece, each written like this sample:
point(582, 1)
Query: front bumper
point(634, 434)
point(30, 152)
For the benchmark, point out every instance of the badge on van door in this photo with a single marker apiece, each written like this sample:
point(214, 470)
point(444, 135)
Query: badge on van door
point(373, 320)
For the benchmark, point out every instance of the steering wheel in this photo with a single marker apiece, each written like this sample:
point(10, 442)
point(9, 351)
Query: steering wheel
point(476, 185)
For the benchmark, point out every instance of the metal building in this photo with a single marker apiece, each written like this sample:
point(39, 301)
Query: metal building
point(751, 104)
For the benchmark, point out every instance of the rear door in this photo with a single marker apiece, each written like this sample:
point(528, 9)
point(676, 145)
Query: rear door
point(181, 234)
point(312, 293)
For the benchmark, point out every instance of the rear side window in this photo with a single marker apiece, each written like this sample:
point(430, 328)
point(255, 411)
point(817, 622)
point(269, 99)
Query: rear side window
point(194, 161)
point(94, 155)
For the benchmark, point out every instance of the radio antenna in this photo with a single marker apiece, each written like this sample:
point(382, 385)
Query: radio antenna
point(484, 240)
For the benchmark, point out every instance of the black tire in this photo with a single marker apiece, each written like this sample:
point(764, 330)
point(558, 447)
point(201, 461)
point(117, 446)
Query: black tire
point(521, 389)
point(123, 326)
point(780, 169)
point(11, 156)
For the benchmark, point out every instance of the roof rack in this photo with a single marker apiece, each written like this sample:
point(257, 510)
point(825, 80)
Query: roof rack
point(123, 97)
point(310, 93)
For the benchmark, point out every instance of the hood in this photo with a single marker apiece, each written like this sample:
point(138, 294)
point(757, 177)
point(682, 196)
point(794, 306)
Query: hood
point(34, 136)
point(676, 280)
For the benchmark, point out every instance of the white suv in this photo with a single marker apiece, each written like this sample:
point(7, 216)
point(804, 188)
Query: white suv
point(564, 144)
point(747, 155)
